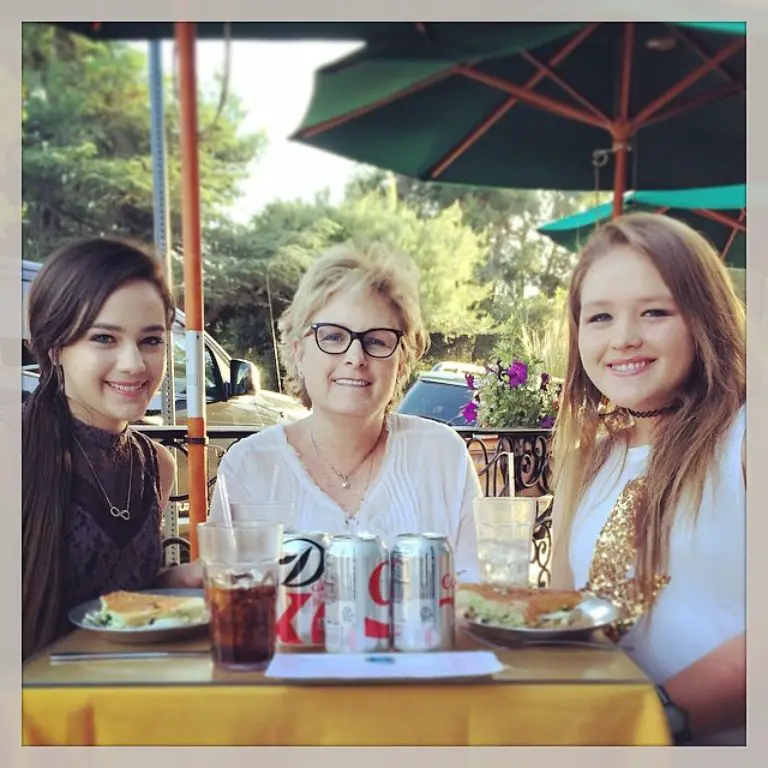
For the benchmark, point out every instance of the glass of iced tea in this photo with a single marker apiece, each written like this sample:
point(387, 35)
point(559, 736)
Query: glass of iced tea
point(241, 579)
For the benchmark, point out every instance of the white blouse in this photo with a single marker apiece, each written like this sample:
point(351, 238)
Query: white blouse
point(427, 483)
point(704, 603)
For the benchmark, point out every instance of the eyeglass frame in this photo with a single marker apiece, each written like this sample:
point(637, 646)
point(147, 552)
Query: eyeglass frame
point(359, 335)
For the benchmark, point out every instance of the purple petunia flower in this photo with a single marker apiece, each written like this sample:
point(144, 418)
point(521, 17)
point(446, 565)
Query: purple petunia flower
point(469, 411)
point(518, 373)
point(544, 382)
point(470, 380)
point(547, 422)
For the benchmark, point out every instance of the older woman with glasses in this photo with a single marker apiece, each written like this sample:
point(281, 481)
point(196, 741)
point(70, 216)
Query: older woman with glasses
point(349, 342)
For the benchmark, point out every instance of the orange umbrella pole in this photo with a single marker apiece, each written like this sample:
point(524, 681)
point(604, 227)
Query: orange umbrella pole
point(193, 283)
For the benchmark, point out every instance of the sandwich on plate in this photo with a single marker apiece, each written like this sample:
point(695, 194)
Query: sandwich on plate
point(140, 610)
point(518, 607)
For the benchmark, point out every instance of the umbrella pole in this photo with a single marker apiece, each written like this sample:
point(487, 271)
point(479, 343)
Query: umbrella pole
point(621, 128)
point(619, 178)
point(193, 287)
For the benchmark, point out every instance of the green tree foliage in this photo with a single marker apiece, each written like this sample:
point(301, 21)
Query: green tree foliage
point(449, 255)
point(87, 169)
point(527, 273)
point(248, 265)
point(86, 156)
point(518, 258)
point(281, 242)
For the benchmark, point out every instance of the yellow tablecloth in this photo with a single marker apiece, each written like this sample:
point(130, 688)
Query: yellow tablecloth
point(546, 695)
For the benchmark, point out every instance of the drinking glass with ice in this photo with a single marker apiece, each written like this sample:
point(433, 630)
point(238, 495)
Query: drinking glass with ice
point(504, 527)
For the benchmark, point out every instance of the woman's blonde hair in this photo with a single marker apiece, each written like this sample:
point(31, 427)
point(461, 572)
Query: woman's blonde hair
point(714, 391)
point(347, 269)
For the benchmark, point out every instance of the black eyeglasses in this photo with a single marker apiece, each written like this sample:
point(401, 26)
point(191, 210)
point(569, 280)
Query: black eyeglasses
point(336, 339)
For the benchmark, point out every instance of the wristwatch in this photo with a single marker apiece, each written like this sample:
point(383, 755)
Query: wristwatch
point(677, 718)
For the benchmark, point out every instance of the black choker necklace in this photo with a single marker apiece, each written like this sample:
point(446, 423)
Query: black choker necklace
point(653, 414)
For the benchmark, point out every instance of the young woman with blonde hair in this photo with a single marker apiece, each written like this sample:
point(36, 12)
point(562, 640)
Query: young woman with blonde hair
point(649, 459)
point(349, 342)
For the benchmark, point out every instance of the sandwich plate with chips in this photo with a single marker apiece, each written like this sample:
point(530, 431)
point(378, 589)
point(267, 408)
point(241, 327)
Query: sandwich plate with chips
point(149, 616)
point(519, 614)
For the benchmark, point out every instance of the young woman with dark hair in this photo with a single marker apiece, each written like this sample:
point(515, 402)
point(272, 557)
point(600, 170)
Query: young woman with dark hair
point(93, 489)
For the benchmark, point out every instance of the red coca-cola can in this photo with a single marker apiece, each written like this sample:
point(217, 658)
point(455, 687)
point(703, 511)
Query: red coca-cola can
point(357, 595)
point(301, 602)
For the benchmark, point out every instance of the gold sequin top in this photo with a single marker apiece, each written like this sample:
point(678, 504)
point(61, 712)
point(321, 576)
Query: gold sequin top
point(611, 573)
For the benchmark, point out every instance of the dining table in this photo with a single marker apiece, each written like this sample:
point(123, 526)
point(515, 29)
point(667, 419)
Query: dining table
point(171, 694)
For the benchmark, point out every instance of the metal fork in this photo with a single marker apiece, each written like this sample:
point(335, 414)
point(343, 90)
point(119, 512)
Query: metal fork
point(70, 656)
point(574, 643)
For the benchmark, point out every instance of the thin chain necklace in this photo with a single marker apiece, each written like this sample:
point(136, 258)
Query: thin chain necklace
point(349, 516)
point(346, 479)
point(123, 514)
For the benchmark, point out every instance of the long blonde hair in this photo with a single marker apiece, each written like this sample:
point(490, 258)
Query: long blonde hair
point(711, 397)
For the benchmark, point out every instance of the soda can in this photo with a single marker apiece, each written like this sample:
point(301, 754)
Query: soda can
point(357, 607)
point(301, 602)
point(423, 593)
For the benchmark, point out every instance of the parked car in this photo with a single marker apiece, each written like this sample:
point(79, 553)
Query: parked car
point(440, 396)
point(234, 396)
point(452, 367)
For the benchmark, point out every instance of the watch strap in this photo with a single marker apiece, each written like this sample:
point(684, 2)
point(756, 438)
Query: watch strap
point(682, 735)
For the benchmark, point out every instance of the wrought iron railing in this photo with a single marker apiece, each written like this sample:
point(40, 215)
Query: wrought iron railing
point(494, 452)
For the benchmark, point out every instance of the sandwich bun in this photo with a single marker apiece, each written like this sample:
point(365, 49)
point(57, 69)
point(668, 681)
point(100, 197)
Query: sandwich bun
point(518, 606)
point(137, 610)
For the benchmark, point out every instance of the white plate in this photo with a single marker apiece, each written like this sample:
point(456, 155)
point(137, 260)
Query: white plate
point(169, 631)
point(597, 613)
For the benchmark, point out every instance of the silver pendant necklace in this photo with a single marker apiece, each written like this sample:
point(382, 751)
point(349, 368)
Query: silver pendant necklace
point(123, 514)
point(350, 518)
point(346, 479)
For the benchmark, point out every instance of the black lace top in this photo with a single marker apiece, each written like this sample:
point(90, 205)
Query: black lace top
point(107, 553)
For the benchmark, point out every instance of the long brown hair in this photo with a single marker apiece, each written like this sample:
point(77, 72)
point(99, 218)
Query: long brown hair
point(64, 301)
point(714, 390)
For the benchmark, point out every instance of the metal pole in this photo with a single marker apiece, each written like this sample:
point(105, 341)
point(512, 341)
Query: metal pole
point(161, 211)
point(162, 229)
point(274, 339)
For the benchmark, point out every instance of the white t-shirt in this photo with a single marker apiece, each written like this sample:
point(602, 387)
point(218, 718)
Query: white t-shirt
point(704, 603)
point(427, 483)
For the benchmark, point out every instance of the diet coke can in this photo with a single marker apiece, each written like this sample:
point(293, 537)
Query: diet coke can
point(301, 604)
point(423, 587)
point(357, 607)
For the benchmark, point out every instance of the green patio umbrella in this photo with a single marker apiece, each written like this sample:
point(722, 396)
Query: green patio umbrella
point(369, 31)
point(719, 213)
point(245, 30)
point(550, 105)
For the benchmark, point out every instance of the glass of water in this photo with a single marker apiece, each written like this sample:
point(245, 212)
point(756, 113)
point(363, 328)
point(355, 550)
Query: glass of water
point(504, 528)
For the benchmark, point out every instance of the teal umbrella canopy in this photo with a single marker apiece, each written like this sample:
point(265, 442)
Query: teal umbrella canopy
point(243, 30)
point(719, 213)
point(369, 31)
point(543, 105)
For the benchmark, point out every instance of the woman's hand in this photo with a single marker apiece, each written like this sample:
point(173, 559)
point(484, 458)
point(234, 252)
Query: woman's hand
point(186, 576)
